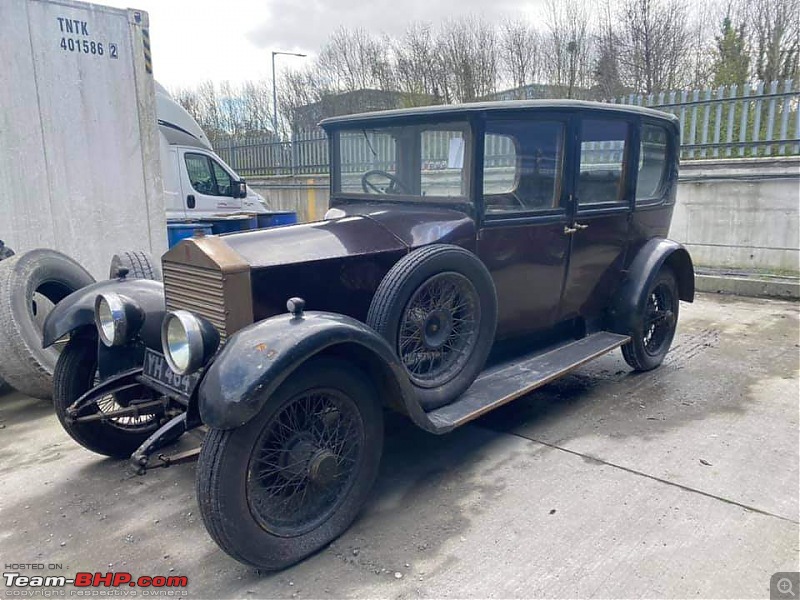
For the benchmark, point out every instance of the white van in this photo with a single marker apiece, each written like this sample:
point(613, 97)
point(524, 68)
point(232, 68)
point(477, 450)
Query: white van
point(197, 183)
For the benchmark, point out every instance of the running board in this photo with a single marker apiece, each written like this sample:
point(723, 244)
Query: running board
point(508, 381)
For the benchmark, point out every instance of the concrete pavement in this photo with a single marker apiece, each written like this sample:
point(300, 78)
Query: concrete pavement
point(681, 482)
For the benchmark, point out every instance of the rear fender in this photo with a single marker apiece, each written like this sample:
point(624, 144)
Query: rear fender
point(655, 254)
point(257, 359)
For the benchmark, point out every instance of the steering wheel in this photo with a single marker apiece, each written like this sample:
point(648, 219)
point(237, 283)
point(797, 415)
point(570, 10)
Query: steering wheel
point(395, 185)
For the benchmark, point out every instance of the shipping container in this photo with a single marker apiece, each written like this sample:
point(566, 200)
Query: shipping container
point(79, 140)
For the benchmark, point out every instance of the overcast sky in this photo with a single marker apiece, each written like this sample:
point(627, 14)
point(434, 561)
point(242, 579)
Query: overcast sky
point(195, 40)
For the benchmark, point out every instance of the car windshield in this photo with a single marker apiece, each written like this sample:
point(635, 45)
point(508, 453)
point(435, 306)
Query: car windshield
point(408, 162)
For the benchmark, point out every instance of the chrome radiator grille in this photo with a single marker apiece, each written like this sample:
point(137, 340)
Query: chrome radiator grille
point(198, 290)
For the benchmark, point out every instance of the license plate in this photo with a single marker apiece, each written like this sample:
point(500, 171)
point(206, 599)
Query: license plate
point(157, 369)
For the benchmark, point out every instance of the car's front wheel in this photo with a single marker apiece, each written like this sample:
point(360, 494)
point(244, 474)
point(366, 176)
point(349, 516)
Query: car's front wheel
point(74, 375)
point(654, 328)
point(291, 480)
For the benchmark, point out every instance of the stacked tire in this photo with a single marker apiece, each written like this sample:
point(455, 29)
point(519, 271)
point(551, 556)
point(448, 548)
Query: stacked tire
point(30, 285)
point(5, 252)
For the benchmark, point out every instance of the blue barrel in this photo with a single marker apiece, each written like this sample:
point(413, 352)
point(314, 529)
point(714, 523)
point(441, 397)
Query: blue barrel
point(272, 219)
point(180, 231)
point(234, 223)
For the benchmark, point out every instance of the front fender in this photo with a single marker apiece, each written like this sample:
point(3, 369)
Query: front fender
point(77, 309)
point(631, 298)
point(257, 359)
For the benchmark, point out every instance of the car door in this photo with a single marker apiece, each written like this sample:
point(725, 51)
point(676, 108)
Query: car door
point(208, 187)
point(600, 210)
point(522, 240)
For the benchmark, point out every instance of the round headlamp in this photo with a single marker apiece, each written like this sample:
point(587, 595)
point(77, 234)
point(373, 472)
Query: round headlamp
point(117, 318)
point(188, 341)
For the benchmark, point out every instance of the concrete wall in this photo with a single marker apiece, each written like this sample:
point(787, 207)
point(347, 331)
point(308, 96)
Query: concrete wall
point(741, 214)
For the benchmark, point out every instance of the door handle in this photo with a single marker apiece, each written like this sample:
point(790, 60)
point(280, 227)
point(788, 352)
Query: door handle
point(575, 227)
point(190, 201)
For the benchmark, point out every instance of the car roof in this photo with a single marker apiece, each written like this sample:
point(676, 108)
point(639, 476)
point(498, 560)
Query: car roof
point(442, 111)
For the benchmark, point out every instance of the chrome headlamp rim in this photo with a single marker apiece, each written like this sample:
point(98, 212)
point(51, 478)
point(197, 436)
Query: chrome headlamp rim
point(110, 319)
point(192, 355)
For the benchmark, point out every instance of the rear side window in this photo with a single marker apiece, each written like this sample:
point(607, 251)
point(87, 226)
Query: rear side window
point(652, 162)
point(522, 165)
point(603, 151)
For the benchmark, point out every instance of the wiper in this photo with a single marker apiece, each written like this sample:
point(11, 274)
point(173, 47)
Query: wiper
point(366, 137)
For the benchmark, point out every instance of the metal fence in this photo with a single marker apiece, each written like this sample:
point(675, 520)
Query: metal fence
point(735, 121)
point(758, 120)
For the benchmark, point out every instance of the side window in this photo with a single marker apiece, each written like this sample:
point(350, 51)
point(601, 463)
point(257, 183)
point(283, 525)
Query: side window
point(442, 171)
point(200, 174)
point(499, 164)
point(652, 162)
point(603, 151)
point(522, 166)
point(224, 182)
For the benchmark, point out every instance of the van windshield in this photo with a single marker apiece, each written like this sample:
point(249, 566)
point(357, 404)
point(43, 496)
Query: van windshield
point(413, 162)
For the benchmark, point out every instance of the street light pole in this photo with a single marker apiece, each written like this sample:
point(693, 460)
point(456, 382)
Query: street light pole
point(275, 87)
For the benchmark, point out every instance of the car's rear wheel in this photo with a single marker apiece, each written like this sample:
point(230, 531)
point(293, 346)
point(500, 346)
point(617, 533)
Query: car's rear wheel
point(654, 328)
point(75, 374)
point(438, 308)
point(291, 480)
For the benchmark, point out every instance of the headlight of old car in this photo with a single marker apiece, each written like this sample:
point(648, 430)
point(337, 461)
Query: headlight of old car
point(188, 341)
point(117, 318)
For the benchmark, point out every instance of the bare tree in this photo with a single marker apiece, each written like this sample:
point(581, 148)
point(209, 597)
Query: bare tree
point(256, 106)
point(703, 19)
point(654, 40)
point(468, 47)
point(608, 81)
point(520, 52)
point(419, 70)
point(775, 38)
point(355, 60)
point(567, 47)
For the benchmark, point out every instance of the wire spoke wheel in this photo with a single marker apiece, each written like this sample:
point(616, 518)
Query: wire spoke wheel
point(118, 435)
point(108, 404)
point(305, 461)
point(659, 320)
point(438, 329)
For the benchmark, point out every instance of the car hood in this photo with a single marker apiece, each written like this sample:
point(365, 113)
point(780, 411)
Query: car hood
point(415, 224)
point(307, 242)
point(354, 230)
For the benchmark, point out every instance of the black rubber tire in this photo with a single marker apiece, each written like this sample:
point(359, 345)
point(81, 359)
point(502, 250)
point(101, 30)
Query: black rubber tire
point(634, 352)
point(140, 265)
point(5, 252)
point(399, 285)
point(24, 363)
point(74, 376)
point(224, 460)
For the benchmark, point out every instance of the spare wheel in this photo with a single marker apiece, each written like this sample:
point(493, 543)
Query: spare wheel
point(437, 307)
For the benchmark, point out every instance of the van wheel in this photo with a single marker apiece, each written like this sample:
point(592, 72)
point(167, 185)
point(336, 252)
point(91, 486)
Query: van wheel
point(140, 265)
point(437, 307)
point(293, 478)
point(654, 328)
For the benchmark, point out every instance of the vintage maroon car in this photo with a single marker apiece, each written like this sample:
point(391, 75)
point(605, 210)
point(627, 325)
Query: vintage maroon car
point(471, 254)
